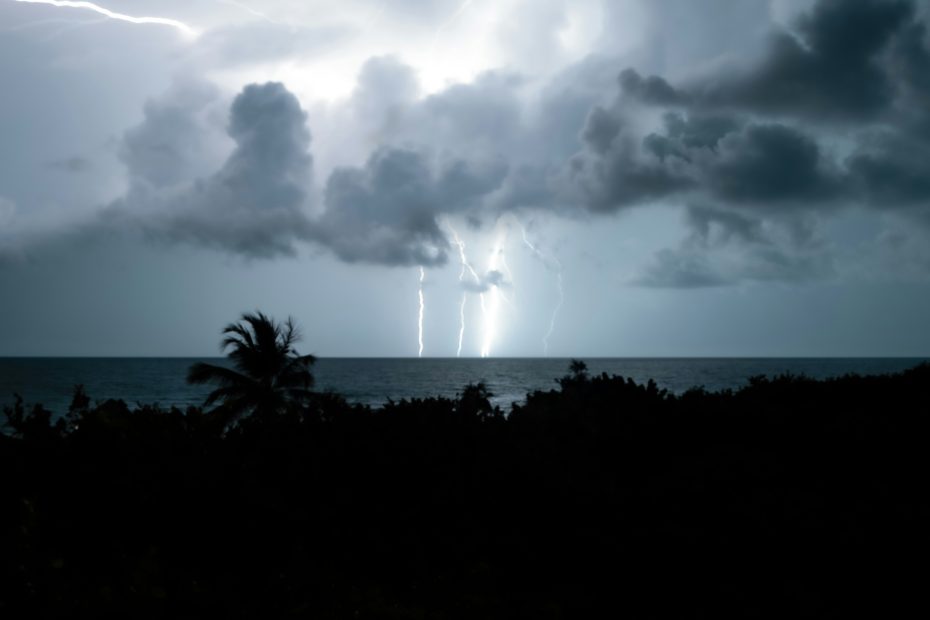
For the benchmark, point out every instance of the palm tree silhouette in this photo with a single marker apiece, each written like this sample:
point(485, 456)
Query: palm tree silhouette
point(268, 375)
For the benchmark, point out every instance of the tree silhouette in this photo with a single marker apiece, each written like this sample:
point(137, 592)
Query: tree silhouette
point(578, 368)
point(268, 375)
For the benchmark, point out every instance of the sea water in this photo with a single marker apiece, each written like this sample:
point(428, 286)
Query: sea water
point(373, 381)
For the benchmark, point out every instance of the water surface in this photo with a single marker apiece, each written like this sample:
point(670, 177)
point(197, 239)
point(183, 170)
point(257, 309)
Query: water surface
point(375, 380)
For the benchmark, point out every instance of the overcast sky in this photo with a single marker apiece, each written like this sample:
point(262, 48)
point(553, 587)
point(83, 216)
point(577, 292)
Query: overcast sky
point(621, 177)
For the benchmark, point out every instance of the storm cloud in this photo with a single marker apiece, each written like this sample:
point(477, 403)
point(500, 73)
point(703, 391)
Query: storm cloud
point(848, 70)
point(831, 69)
point(756, 141)
point(726, 247)
point(833, 115)
point(253, 205)
point(260, 202)
point(691, 169)
point(388, 211)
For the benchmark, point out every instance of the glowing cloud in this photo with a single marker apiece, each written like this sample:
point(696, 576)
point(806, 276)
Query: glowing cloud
point(90, 6)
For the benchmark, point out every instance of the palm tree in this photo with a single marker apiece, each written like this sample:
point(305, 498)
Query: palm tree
point(268, 376)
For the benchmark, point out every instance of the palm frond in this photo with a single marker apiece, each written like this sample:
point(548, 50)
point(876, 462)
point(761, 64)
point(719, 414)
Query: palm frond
point(269, 375)
point(202, 372)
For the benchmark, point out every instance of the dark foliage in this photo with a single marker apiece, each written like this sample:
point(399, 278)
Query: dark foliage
point(268, 375)
point(790, 497)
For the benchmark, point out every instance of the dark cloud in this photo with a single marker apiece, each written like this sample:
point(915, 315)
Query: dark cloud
point(831, 71)
point(756, 164)
point(890, 170)
point(754, 138)
point(865, 61)
point(651, 90)
point(726, 247)
point(699, 130)
point(253, 205)
point(844, 61)
point(526, 186)
point(388, 211)
point(910, 63)
point(769, 164)
point(684, 133)
point(752, 143)
point(613, 171)
point(744, 142)
point(601, 129)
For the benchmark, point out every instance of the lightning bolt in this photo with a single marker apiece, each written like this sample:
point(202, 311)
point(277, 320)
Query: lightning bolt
point(466, 268)
point(464, 260)
point(420, 320)
point(558, 306)
point(490, 314)
point(553, 261)
point(490, 299)
point(90, 6)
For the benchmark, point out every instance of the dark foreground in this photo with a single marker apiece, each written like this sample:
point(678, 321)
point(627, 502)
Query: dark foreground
point(791, 497)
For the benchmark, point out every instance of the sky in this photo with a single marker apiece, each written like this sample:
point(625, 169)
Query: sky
point(467, 178)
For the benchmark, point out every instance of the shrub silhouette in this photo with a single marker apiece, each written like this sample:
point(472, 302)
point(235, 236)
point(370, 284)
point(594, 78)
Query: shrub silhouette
point(788, 497)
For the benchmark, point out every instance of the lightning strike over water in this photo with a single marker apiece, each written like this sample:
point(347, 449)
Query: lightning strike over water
point(550, 264)
point(489, 289)
point(464, 260)
point(458, 350)
point(466, 268)
point(493, 307)
point(90, 6)
point(420, 320)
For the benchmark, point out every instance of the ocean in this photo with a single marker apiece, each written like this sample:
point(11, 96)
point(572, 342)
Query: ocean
point(373, 381)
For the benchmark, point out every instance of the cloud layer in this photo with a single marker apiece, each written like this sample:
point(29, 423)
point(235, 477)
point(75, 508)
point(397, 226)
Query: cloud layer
point(832, 115)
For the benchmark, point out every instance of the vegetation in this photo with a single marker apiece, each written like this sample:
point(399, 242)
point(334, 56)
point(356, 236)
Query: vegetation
point(789, 497)
point(269, 376)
